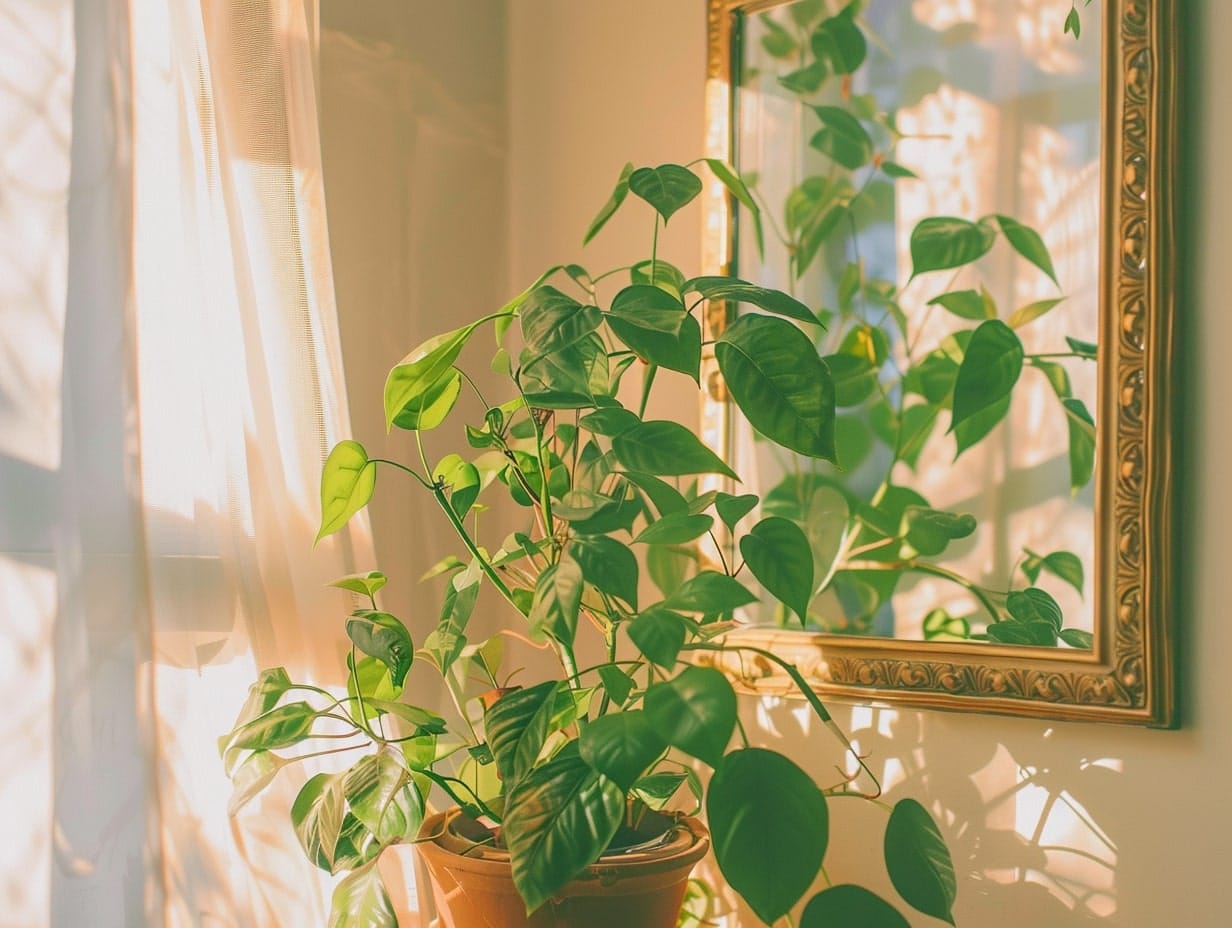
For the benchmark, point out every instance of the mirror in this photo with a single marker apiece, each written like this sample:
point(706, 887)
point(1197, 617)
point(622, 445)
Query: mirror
point(975, 198)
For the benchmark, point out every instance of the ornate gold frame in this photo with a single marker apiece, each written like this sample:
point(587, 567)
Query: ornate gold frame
point(1129, 676)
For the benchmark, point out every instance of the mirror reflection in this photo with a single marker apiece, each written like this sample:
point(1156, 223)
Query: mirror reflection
point(928, 175)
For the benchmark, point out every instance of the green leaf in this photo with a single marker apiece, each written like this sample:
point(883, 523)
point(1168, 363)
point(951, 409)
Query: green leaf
point(1027, 242)
point(1062, 564)
point(420, 720)
point(930, 531)
point(897, 171)
point(848, 904)
point(347, 482)
point(915, 427)
point(365, 584)
point(277, 728)
point(919, 862)
point(372, 786)
point(621, 746)
point(1037, 634)
point(360, 901)
point(777, 41)
point(680, 352)
point(414, 378)
point(659, 633)
point(658, 273)
point(317, 816)
point(612, 204)
point(648, 307)
point(552, 321)
point(1031, 312)
point(739, 291)
point(1073, 23)
point(989, 370)
point(665, 497)
point(519, 723)
point(609, 421)
point(558, 597)
point(732, 509)
point(570, 378)
point(251, 777)
point(842, 138)
point(1034, 605)
point(1077, 638)
point(676, 529)
point(939, 625)
point(840, 41)
point(971, 431)
point(738, 189)
point(770, 827)
point(657, 789)
point(774, 375)
point(461, 480)
point(967, 304)
point(667, 188)
point(939, 243)
point(1081, 443)
point(855, 379)
point(777, 552)
point(607, 565)
point(710, 593)
point(381, 635)
point(558, 820)
point(429, 408)
point(617, 683)
point(807, 80)
point(662, 448)
point(826, 521)
point(695, 711)
point(1088, 349)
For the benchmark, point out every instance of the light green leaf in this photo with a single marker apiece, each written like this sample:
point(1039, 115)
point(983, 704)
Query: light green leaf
point(939, 625)
point(848, 904)
point(372, 786)
point(612, 204)
point(621, 746)
point(251, 777)
point(658, 273)
point(317, 816)
point(552, 321)
point(695, 711)
point(278, 728)
point(919, 862)
point(461, 480)
point(648, 307)
point(990, 368)
point(360, 901)
point(663, 448)
point(347, 482)
point(777, 552)
point(429, 408)
point(366, 584)
point(774, 375)
point(667, 188)
point(967, 304)
point(770, 827)
point(1031, 312)
point(1081, 443)
point(939, 243)
point(419, 373)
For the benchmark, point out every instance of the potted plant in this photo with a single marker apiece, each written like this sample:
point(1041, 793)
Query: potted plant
point(550, 781)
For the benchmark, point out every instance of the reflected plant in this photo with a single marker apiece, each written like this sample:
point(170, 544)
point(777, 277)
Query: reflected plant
point(554, 769)
point(895, 384)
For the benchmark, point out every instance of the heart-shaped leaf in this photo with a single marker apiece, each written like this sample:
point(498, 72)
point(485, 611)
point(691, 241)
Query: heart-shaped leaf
point(607, 565)
point(847, 904)
point(676, 529)
point(552, 321)
point(420, 372)
point(710, 593)
point(659, 633)
point(967, 304)
point(621, 746)
point(777, 552)
point(1034, 605)
point(842, 138)
point(695, 711)
point(383, 636)
point(667, 188)
point(939, 243)
point(429, 408)
point(461, 481)
point(347, 482)
point(840, 41)
point(366, 584)
point(732, 509)
point(770, 827)
point(648, 307)
point(680, 352)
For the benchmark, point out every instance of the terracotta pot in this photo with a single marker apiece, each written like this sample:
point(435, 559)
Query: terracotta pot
point(639, 888)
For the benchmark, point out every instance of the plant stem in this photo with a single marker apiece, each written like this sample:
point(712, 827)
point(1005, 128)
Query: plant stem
point(936, 571)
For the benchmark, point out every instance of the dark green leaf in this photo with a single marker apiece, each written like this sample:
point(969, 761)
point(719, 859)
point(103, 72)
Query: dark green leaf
point(558, 595)
point(967, 304)
point(710, 593)
point(842, 138)
point(621, 746)
point(617, 683)
point(607, 565)
point(347, 482)
point(777, 552)
point(1077, 638)
point(850, 905)
point(739, 291)
point(667, 188)
point(552, 321)
point(680, 352)
point(806, 80)
point(939, 243)
point(989, 370)
point(1063, 564)
point(919, 862)
point(658, 273)
point(1073, 22)
point(665, 497)
point(770, 827)
point(612, 204)
point(383, 636)
point(695, 711)
point(676, 529)
point(558, 820)
point(659, 634)
point(1027, 242)
point(1037, 634)
point(567, 379)
point(610, 421)
point(896, 170)
point(1034, 605)
point(840, 41)
point(732, 509)
point(776, 378)
point(972, 430)
point(648, 307)
point(664, 448)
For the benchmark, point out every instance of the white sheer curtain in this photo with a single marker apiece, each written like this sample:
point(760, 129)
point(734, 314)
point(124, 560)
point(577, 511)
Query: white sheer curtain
point(159, 553)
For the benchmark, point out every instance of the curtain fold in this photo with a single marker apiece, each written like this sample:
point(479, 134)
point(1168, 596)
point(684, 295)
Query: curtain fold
point(202, 389)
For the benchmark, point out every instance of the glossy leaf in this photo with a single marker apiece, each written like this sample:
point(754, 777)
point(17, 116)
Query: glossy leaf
point(777, 552)
point(663, 496)
point(552, 321)
point(558, 596)
point(518, 725)
point(317, 815)
point(774, 375)
point(695, 711)
point(559, 819)
point(769, 826)
point(1027, 242)
point(278, 728)
point(939, 243)
point(609, 421)
point(461, 481)
point(607, 565)
point(421, 370)
point(429, 408)
point(919, 862)
point(360, 901)
point(739, 291)
point(664, 448)
point(667, 188)
point(383, 636)
point(372, 786)
point(710, 593)
point(613, 203)
point(850, 905)
point(972, 430)
point(1065, 565)
point(1037, 633)
point(842, 138)
point(617, 683)
point(676, 529)
point(658, 273)
point(347, 482)
point(681, 352)
point(736, 187)
point(570, 378)
point(648, 307)
point(732, 509)
point(659, 633)
point(621, 746)
point(990, 368)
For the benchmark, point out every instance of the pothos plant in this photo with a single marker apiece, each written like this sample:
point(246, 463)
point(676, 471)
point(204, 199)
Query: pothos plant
point(554, 767)
point(900, 386)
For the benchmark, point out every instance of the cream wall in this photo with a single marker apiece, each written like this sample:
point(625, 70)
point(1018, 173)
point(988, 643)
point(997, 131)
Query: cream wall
point(530, 115)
